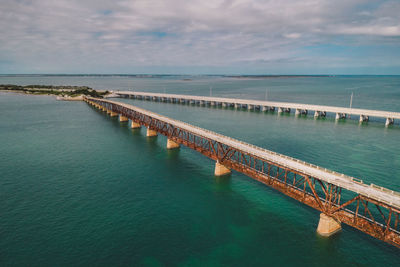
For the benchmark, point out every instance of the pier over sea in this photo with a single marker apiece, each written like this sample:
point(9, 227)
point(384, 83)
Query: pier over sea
point(280, 107)
point(371, 209)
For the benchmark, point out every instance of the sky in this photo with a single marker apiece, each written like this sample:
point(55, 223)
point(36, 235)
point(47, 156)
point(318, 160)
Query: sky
point(200, 36)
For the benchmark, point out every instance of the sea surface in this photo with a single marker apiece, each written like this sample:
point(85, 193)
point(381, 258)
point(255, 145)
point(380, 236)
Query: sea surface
point(79, 188)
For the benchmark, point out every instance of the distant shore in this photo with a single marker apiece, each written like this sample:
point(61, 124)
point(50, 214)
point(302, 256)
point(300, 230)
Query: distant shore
point(68, 93)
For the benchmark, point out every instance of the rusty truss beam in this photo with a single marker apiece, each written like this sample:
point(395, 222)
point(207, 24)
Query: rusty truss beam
point(364, 213)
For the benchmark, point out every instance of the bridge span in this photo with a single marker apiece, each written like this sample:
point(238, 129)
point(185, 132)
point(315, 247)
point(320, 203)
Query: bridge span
point(340, 198)
point(280, 107)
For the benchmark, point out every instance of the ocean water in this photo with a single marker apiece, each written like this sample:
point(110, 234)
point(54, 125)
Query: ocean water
point(80, 188)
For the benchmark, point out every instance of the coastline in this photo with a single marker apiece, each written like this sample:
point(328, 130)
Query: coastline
point(69, 93)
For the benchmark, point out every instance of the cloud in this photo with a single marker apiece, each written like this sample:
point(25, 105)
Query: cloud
point(106, 36)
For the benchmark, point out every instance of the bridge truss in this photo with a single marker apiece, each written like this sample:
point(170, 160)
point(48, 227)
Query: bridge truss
point(364, 213)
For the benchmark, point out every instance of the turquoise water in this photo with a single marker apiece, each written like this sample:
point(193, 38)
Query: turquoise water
point(79, 188)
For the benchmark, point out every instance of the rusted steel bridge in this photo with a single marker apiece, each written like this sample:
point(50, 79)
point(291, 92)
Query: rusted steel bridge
point(371, 209)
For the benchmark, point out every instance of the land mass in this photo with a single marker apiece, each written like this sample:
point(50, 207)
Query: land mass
point(61, 91)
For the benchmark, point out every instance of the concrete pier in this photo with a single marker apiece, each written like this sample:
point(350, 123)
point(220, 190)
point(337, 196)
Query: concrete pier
point(389, 121)
point(151, 133)
point(135, 125)
point(340, 116)
point(111, 113)
point(250, 107)
point(363, 118)
point(224, 104)
point(266, 108)
point(122, 118)
point(300, 112)
point(318, 114)
point(237, 106)
point(282, 110)
point(221, 170)
point(327, 226)
point(171, 144)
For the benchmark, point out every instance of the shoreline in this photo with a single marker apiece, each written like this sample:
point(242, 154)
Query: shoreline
point(61, 93)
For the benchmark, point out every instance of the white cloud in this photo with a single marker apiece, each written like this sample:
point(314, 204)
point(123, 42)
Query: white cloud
point(92, 35)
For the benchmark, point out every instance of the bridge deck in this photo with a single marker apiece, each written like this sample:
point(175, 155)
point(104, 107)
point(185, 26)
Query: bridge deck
point(379, 194)
point(321, 108)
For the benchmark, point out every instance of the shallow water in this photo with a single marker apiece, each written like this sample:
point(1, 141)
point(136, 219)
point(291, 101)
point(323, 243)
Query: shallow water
point(79, 188)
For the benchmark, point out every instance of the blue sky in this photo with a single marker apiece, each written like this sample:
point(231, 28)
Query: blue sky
point(200, 36)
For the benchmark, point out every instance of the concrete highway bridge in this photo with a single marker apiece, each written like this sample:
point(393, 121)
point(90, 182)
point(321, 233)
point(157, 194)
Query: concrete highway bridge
point(339, 198)
point(280, 107)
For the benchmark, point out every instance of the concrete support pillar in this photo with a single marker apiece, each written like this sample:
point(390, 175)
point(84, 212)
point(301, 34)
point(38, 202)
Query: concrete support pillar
point(250, 107)
point(363, 118)
point(135, 125)
point(318, 114)
point(182, 101)
point(237, 105)
point(122, 118)
point(171, 144)
point(221, 170)
point(151, 133)
point(213, 103)
point(389, 121)
point(340, 116)
point(113, 114)
point(224, 104)
point(202, 103)
point(301, 111)
point(281, 110)
point(264, 108)
point(328, 225)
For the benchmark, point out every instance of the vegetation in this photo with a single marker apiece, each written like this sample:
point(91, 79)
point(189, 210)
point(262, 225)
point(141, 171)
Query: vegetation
point(59, 90)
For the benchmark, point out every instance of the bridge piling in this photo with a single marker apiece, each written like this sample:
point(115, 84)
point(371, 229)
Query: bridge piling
point(389, 121)
point(122, 118)
point(171, 144)
point(283, 110)
point(318, 114)
point(221, 170)
point(327, 225)
point(135, 125)
point(151, 133)
point(340, 116)
point(363, 118)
